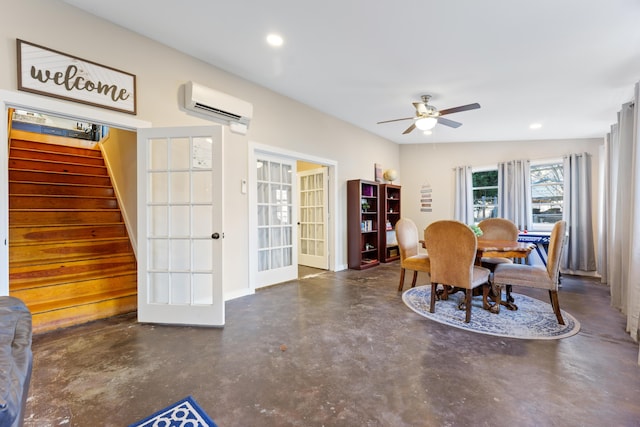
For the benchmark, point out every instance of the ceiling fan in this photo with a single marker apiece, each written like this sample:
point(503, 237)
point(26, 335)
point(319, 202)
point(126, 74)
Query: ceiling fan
point(427, 116)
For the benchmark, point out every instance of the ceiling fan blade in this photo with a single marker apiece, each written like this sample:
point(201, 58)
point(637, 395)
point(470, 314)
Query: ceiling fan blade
point(396, 120)
point(409, 129)
point(420, 107)
point(448, 122)
point(467, 107)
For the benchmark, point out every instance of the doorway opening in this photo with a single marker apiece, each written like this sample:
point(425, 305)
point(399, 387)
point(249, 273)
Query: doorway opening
point(291, 216)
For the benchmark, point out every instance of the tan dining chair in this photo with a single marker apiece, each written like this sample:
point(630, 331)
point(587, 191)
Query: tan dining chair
point(497, 229)
point(410, 258)
point(537, 276)
point(452, 246)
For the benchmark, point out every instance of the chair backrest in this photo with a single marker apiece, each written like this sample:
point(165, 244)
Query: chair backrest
point(554, 253)
point(407, 237)
point(451, 246)
point(498, 229)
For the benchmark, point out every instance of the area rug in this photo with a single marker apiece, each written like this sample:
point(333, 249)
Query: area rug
point(534, 319)
point(185, 413)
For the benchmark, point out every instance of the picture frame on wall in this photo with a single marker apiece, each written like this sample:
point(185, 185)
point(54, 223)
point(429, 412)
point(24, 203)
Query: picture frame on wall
point(378, 172)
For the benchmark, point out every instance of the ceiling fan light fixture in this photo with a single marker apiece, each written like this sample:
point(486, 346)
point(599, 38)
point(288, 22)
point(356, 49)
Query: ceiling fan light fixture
point(426, 123)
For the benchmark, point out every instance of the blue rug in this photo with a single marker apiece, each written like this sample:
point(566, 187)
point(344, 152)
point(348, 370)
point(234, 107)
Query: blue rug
point(185, 413)
point(534, 319)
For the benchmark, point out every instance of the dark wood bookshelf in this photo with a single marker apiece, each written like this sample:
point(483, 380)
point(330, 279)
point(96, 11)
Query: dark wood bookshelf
point(390, 198)
point(363, 224)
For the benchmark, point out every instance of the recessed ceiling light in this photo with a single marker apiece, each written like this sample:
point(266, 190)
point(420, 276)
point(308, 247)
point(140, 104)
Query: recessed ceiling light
point(535, 125)
point(274, 40)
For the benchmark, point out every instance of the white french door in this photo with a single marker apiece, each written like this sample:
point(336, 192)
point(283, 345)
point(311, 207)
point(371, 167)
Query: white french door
point(313, 233)
point(276, 186)
point(180, 234)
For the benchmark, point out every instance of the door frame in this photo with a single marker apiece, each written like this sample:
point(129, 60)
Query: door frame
point(25, 101)
point(254, 149)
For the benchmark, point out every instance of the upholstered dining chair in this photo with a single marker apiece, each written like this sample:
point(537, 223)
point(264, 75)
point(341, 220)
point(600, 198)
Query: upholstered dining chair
point(497, 229)
point(537, 276)
point(452, 246)
point(410, 258)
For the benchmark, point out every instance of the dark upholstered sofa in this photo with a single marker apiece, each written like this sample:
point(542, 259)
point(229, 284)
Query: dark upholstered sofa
point(15, 360)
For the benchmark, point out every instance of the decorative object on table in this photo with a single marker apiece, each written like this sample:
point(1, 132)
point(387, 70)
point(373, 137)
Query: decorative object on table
point(390, 175)
point(425, 197)
point(185, 412)
point(534, 319)
point(377, 168)
point(476, 230)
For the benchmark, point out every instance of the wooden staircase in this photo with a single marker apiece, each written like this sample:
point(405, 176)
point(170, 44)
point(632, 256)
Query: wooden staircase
point(70, 257)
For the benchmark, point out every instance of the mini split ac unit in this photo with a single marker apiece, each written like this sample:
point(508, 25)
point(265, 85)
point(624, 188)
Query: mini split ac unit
point(221, 106)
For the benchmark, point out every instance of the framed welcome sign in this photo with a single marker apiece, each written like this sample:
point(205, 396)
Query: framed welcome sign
point(48, 72)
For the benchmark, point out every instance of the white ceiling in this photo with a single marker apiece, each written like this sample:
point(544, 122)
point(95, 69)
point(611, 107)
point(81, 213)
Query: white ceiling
point(567, 64)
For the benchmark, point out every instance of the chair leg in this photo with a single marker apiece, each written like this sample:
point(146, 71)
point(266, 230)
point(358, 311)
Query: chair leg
point(432, 306)
point(415, 277)
point(401, 285)
point(467, 303)
point(556, 306)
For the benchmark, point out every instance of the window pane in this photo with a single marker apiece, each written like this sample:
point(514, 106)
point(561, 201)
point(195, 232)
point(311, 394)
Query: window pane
point(547, 193)
point(485, 195)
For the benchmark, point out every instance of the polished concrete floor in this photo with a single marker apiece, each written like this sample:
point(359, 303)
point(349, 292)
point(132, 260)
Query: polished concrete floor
point(341, 349)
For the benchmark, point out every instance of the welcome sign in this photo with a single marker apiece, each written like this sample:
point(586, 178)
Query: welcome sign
point(52, 73)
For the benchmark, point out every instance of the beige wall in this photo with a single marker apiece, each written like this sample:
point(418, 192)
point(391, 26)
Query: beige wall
point(160, 72)
point(434, 163)
point(119, 152)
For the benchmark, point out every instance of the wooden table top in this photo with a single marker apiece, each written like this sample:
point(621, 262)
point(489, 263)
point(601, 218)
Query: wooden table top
point(504, 249)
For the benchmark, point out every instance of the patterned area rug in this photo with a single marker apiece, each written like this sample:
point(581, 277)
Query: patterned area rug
point(534, 319)
point(185, 413)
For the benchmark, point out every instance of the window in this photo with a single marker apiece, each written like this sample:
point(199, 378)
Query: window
point(485, 194)
point(547, 193)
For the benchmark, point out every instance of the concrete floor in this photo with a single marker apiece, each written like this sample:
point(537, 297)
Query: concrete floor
point(355, 356)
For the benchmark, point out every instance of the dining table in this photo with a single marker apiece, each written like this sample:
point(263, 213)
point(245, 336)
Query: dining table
point(497, 249)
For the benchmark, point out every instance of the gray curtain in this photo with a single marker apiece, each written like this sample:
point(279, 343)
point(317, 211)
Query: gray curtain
point(514, 192)
point(622, 206)
point(579, 253)
point(463, 202)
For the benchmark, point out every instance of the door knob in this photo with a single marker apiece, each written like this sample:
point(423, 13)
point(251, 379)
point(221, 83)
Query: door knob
point(215, 236)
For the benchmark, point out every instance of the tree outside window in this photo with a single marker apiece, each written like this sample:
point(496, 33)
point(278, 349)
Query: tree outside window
point(485, 194)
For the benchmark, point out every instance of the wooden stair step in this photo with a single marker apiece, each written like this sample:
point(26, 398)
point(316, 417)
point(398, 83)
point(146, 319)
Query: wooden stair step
point(39, 253)
point(44, 165)
point(52, 143)
point(63, 271)
point(45, 188)
point(38, 201)
point(52, 217)
point(46, 321)
point(55, 156)
point(61, 294)
point(30, 234)
point(18, 175)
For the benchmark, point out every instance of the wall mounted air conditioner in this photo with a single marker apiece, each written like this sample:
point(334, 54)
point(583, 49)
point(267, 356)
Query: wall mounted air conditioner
point(221, 106)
